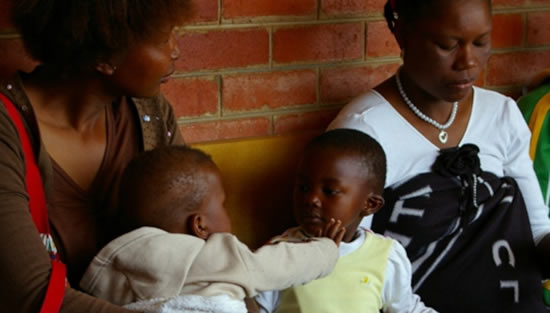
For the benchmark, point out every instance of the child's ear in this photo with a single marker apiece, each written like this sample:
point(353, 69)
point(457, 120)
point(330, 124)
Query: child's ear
point(373, 204)
point(197, 226)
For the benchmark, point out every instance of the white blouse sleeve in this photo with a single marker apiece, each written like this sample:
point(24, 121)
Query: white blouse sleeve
point(519, 166)
point(397, 294)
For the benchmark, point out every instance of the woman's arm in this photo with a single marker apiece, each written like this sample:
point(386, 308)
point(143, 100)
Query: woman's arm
point(520, 167)
point(24, 262)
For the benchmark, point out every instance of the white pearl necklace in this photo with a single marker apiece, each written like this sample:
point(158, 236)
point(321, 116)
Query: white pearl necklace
point(443, 135)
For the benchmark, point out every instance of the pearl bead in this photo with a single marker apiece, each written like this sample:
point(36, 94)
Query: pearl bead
point(423, 116)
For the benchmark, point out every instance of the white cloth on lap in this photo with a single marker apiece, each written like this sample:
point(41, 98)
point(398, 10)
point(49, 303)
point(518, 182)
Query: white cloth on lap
point(190, 304)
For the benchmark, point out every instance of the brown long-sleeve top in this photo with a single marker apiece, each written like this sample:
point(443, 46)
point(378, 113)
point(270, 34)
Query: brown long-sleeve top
point(77, 216)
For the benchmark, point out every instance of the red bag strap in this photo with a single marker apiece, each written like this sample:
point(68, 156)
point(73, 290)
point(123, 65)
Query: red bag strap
point(56, 288)
point(37, 201)
point(37, 205)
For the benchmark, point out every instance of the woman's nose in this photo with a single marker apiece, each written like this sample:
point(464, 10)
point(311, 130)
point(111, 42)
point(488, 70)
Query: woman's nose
point(465, 59)
point(174, 46)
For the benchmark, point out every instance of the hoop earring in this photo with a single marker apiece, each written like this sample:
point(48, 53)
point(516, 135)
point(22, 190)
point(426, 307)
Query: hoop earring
point(106, 68)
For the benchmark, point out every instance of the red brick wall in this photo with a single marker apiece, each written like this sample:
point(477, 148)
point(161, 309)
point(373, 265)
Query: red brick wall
point(264, 67)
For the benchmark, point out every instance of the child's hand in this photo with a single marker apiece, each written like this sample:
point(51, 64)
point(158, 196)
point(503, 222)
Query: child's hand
point(333, 229)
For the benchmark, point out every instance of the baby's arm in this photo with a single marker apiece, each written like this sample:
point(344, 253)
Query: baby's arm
point(293, 259)
point(268, 301)
point(397, 294)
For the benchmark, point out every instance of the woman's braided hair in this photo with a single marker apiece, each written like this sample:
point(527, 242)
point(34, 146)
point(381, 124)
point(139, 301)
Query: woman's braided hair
point(410, 11)
point(406, 10)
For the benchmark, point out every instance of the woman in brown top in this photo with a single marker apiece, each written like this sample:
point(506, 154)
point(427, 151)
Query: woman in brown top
point(85, 126)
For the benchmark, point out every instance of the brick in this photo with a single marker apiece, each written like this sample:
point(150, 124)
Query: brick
point(192, 96)
point(507, 30)
point(538, 28)
point(516, 68)
point(204, 11)
point(380, 40)
point(223, 49)
point(342, 84)
point(351, 7)
point(5, 19)
point(507, 3)
point(272, 90)
point(320, 43)
point(300, 122)
point(13, 58)
point(225, 129)
point(257, 8)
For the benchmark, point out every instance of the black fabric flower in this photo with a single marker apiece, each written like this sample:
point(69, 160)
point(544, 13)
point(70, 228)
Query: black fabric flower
point(458, 161)
point(462, 162)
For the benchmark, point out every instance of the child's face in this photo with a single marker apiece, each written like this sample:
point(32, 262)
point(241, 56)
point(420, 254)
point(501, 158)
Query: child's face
point(331, 184)
point(212, 208)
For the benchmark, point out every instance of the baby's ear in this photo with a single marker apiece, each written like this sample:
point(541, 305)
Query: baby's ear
point(197, 226)
point(373, 204)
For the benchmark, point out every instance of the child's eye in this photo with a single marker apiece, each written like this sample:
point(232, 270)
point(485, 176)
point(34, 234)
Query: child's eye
point(303, 187)
point(331, 191)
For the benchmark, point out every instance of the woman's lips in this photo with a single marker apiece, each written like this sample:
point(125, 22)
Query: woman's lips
point(465, 84)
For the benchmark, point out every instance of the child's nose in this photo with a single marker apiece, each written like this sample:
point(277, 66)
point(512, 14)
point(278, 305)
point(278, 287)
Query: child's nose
point(312, 199)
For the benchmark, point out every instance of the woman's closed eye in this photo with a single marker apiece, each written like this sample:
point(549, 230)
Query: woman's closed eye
point(482, 43)
point(447, 45)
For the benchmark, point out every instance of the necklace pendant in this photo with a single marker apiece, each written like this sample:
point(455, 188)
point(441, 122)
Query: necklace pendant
point(443, 136)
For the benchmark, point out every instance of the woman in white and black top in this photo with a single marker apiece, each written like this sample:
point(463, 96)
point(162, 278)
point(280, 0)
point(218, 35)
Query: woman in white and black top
point(462, 220)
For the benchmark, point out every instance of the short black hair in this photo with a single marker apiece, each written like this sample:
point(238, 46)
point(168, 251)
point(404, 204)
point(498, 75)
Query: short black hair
point(411, 11)
point(146, 194)
point(75, 34)
point(352, 141)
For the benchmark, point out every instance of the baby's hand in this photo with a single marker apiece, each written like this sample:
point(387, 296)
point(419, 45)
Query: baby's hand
point(333, 229)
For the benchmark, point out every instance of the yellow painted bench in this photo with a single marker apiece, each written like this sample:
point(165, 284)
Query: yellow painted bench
point(258, 176)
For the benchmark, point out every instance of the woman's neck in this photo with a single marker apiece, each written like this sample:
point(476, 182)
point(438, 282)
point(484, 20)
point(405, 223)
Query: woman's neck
point(68, 101)
point(435, 108)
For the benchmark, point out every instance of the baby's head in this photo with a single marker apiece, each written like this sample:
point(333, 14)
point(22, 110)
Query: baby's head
point(340, 176)
point(175, 188)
